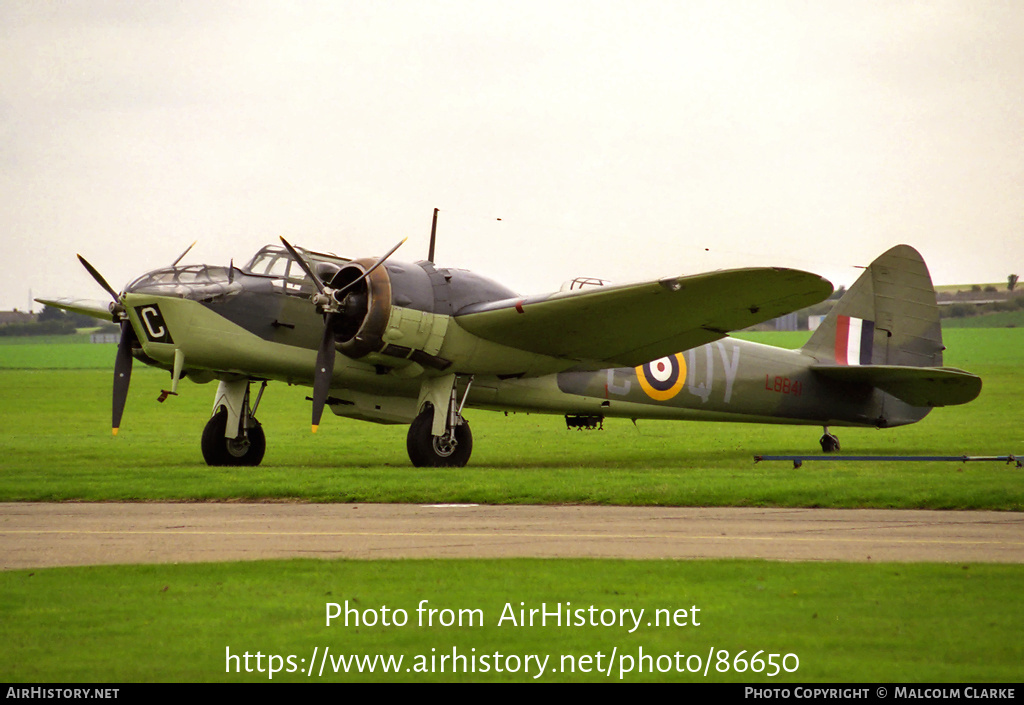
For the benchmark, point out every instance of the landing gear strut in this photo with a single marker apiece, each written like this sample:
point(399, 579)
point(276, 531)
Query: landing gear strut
point(453, 446)
point(829, 443)
point(233, 436)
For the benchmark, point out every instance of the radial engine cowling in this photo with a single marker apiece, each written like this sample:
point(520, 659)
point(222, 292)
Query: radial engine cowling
point(366, 307)
point(377, 328)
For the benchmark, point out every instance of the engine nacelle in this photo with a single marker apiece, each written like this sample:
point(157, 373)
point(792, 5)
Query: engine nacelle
point(401, 313)
point(389, 317)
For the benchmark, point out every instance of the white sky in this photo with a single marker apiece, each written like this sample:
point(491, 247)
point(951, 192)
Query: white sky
point(624, 140)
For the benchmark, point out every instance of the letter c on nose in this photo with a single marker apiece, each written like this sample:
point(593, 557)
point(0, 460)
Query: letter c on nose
point(145, 315)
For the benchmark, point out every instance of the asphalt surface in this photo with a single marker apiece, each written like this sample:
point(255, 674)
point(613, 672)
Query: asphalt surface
point(63, 534)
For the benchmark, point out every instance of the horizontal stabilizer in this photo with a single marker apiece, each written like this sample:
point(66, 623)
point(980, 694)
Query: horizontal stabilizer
point(88, 307)
point(917, 386)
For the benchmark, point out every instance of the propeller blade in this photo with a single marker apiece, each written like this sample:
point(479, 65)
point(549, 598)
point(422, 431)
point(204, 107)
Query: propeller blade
point(324, 370)
point(182, 255)
point(99, 278)
point(369, 271)
point(305, 267)
point(122, 374)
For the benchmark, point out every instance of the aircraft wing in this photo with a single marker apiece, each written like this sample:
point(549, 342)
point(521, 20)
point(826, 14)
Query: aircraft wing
point(631, 324)
point(89, 307)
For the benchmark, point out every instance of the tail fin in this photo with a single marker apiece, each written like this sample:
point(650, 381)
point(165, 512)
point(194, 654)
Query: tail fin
point(885, 332)
point(888, 317)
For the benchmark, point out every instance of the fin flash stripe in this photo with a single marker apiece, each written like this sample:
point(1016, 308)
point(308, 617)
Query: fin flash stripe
point(855, 339)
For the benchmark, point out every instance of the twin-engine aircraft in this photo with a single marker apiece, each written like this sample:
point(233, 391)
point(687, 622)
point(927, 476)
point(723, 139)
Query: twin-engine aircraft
point(413, 343)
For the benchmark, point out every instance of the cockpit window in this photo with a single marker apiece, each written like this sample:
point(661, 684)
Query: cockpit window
point(276, 264)
point(197, 274)
point(205, 283)
point(198, 282)
point(268, 261)
point(274, 261)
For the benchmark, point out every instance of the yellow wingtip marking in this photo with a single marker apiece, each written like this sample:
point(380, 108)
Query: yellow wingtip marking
point(315, 427)
point(114, 431)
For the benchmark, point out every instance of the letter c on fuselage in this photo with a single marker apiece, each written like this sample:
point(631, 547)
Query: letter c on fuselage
point(150, 317)
point(153, 323)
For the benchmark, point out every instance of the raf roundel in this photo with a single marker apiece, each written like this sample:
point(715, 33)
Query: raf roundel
point(662, 379)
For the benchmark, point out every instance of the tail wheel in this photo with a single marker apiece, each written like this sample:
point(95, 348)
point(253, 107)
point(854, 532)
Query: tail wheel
point(245, 450)
point(829, 443)
point(429, 451)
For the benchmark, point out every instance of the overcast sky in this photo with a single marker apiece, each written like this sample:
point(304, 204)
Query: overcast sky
point(624, 140)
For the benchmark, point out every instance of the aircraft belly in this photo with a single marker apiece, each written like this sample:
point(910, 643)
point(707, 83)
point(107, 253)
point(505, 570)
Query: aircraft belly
point(373, 407)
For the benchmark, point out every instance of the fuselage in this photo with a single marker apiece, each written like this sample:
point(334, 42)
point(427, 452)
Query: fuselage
point(258, 322)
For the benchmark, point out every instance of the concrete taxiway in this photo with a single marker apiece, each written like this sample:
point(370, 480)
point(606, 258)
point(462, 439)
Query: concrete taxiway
point(36, 535)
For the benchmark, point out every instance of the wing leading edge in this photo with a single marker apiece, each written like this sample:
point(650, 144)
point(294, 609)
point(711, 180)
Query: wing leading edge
point(631, 324)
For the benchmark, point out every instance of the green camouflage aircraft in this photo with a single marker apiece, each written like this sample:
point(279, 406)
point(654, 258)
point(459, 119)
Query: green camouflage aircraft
point(417, 344)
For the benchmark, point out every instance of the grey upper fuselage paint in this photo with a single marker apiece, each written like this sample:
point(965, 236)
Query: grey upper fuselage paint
point(259, 302)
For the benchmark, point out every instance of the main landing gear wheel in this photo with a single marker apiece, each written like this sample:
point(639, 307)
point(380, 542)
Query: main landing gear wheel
point(245, 450)
point(429, 451)
point(829, 443)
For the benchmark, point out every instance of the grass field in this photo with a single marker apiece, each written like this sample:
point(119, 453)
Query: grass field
point(57, 446)
point(844, 622)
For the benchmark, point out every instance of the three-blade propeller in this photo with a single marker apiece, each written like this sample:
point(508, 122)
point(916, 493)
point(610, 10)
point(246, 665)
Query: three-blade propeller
point(123, 361)
point(333, 302)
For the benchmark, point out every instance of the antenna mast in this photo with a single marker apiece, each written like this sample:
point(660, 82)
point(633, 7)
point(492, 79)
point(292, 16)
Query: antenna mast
point(433, 237)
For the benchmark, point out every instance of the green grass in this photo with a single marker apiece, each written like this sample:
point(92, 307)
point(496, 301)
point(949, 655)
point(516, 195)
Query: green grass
point(844, 622)
point(57, 446)
point(57, 356)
